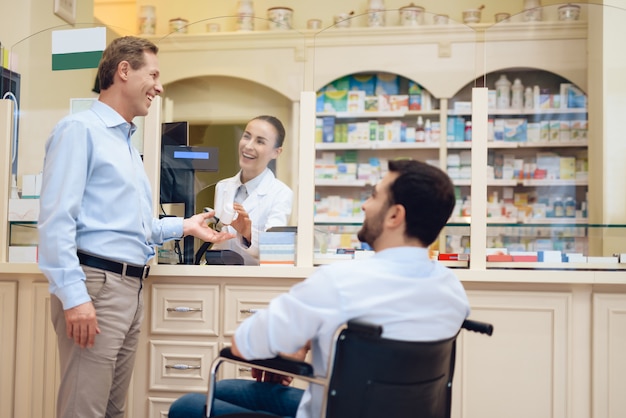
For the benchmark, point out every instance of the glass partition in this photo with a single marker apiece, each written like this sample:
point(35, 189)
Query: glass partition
point(216, 78)
point(220, 73)
point(552, 144)
point(386, 95)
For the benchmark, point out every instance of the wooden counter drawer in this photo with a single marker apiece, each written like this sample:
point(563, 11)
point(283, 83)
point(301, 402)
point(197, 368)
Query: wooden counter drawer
point(185, 309)
point(159, 407)
point(242, 301)
point(181, 366)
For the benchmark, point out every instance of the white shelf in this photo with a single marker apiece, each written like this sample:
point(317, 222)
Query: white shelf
point(535, 183)
point(341, 183)
point(338, 220)
point(555, 144)
point(375, 115)
point(525, 112)
point(374, 145)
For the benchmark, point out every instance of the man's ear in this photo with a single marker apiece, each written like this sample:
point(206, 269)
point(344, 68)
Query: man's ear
point(122, 70)
point(396, 215)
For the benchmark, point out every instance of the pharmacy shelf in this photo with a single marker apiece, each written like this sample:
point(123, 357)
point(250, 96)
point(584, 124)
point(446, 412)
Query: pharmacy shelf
point(536, 182)
point(374, 115)
point(374, 145)
point(525, 112)
point(341, 183)
point(338, 220)
point(551, 144)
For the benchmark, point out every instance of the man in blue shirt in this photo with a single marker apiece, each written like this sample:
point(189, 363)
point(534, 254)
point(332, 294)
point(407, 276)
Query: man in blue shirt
point(412, 297)
point(97, 233)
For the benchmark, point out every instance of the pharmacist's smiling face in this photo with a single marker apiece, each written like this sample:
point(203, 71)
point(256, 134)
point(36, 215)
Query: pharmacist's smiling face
point(257, 147)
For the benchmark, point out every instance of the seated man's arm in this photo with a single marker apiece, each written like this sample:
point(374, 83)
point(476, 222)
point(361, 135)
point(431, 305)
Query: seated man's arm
point(263, 376)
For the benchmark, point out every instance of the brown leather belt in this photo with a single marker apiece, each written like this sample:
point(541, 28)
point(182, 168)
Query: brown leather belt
point(141, 272)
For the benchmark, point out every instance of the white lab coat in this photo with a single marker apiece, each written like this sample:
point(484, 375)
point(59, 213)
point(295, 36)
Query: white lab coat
point(268, 205)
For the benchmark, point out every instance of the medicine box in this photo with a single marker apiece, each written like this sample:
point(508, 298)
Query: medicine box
point(515, 130)
point(564, 131)
point(336, 101)
point(399, 102)
point(555, 131)
point(387, 84)
point(356, 101)
point(24, 210)
point(363, 82)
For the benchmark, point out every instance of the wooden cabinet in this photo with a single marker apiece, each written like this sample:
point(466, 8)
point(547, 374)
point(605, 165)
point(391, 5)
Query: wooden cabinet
point(8, 315)
point(188, 321)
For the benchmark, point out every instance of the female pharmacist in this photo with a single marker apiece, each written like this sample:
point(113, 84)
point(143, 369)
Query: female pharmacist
point(259, 199)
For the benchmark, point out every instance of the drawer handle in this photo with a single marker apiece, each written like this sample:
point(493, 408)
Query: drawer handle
point(244, 369)
point(180, 366)
point(184, 309)
point(248, 311)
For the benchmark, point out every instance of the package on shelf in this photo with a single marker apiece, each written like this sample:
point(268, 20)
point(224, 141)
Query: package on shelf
point(578, 130)
point(356, 101)
point(576, 98)
point(491, 99)
point(325, 171)
point(515, 129)
point(387, 84)
point(370, 104)
point(336, 100)
point(383, 103)
point(342, 83)
point(567, 168)
point(319, 101)
point(555, 130)
point(551, 163)
point(398, 102)
point(24, 210)
point(328, 128)
point(415, 102)
point(23, 254)
point(456, 129)
point(533, 132)
point(363, 82)
point(463, 107)
point(277, 248)
point(346, 171)
point(358, 133)
point(31, 186)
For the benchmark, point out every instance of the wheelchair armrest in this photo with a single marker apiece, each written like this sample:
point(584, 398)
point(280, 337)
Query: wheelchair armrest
point(279, 364)
point(477, 326)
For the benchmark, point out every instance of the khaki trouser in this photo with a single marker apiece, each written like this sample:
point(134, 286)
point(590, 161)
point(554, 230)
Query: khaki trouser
point(94, 381)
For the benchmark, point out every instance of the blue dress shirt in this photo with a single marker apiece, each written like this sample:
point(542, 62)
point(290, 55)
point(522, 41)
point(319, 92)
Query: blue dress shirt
point(95, 197)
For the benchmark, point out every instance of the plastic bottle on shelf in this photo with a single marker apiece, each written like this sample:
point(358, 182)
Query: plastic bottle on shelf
point(245, 15)
point(428, 131)
point(503, 93)
point(517, 96)
point(570, 207)
point(528, 99)
point(468, 131)
point(420, 134)
point(559, 208)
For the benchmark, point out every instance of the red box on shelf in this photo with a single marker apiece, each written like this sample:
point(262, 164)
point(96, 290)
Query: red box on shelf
point(499, 257)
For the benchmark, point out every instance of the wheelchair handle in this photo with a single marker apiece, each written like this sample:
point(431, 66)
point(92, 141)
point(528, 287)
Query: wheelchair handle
point(477, 326)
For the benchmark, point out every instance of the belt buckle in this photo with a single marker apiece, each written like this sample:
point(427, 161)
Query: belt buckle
point(145, 272)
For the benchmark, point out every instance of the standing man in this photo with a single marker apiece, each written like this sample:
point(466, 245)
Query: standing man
point(97, 233)
point(412, 297)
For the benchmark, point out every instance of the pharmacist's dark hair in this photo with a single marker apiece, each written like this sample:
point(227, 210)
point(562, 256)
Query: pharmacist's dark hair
point(427, 194)
point(278, 125)
point(126, 48)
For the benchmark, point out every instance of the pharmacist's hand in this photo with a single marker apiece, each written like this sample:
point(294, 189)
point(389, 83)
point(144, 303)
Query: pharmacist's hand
point(243, 224)
point(81, 324)
point(198, 227)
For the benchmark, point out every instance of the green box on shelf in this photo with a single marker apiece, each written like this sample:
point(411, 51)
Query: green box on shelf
point(336, 101)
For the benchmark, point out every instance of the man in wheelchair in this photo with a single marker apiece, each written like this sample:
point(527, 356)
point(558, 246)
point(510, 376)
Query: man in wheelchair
point(412, 297)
